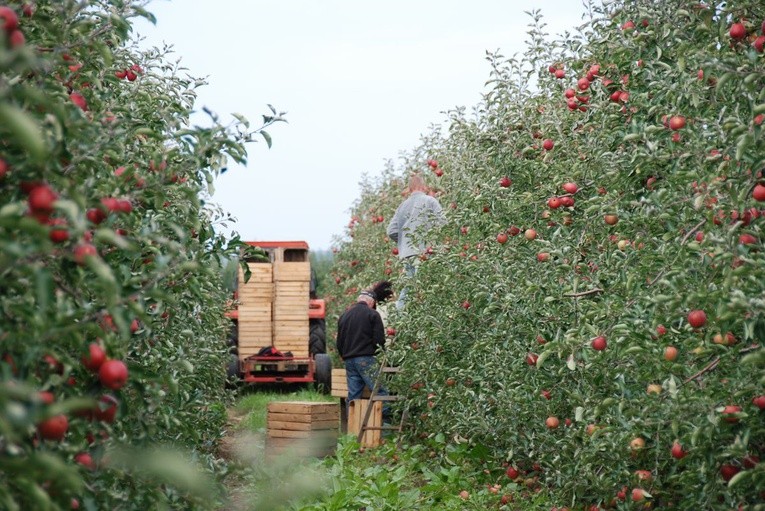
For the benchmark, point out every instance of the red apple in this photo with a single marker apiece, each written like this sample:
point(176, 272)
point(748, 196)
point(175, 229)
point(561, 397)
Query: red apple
point(677, 451)
point(670, 353)
point(661, 330)
point(513, 231)
point(611, 219)
point(638, 494)
point(697, 318)
point(9, 18)
point(570, 187)
point(83, 251)
point(737, 31)
point(106, 409)
point(530, 234)
point(560, 74)
point(95, 357)
point(502, 238)
point(54, 428)
point(58, 232)
point(512, 473)
point(531, 359)
point(599, 343)
point(41, 199)
point(548, 144)
point(79, 100)
point(466, 305)
point(17, 39)
point(583, 84)
point(729, 413)
point(747, 239)
point(569, 93)
point(759, 44)
point(505, 182)
point(95, 215)
point(759, 402)
point(676, 122)
point(644, 475)
point(727, 471)
point(552, 422)
point(113, 374)
point(554, 202)
point(84, 459)
point(628, 25)
point(543, 257)
point(46, 397)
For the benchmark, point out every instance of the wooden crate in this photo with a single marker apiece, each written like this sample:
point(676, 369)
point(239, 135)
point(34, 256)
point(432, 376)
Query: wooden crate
point(297, 271)
point(356, 411)
point(255, 329)
point(259, 273)
point(304, 427)
point(340, 384)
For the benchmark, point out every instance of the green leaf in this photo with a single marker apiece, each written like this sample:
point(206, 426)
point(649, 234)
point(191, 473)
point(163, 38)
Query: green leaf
point(21, 127)
point(266, 137)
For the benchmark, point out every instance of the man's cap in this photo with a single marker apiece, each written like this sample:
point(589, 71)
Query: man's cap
point(370, 294)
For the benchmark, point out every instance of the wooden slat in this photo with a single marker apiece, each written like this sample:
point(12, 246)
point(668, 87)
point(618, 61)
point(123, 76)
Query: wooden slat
point(305, 417)
point(315, 433)
point(302, 407)
point(303, 426)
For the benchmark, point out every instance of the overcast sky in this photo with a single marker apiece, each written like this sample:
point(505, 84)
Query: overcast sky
point(360, 81)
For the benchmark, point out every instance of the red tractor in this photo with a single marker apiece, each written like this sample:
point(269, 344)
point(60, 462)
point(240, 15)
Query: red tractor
point(279, 329)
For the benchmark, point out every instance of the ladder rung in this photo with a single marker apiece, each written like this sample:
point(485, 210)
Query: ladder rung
point(390, 369)
point(377, 397)
point(382, 428)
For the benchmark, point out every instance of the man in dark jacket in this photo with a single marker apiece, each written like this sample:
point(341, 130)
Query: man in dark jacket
point(360, 334)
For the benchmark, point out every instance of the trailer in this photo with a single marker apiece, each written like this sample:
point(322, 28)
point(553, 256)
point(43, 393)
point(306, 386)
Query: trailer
point(278, 330)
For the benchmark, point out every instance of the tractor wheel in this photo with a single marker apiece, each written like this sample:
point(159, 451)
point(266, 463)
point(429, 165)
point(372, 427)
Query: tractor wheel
point(317, 337)
point(323, 372)
point(233, 368)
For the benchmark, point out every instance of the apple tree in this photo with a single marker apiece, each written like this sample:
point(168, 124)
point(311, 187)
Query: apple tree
point(593, 312)
point(112, 330)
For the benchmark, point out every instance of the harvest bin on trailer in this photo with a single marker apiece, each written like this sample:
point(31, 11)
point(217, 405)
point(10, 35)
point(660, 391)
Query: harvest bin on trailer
point(279, 330)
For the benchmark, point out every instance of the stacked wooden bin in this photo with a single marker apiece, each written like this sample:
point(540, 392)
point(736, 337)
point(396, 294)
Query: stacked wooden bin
point(256, 301)
point(302, 428)
point(292, 276)
point(273, 305)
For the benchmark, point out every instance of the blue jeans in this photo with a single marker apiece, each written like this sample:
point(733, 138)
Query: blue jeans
point(360, 372)
point(410, 269)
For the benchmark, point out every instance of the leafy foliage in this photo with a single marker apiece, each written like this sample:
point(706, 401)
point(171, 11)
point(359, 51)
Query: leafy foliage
point(107, 239)
point(664, 142)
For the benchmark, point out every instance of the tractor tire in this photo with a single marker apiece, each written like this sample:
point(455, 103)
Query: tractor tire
point(323, 372)
point(317, 340)
point(232, 371)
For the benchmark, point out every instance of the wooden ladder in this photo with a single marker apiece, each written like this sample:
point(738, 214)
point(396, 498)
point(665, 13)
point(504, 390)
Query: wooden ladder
point(374, 396)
